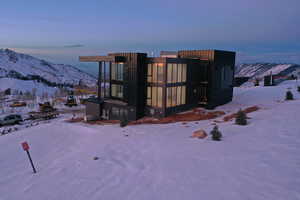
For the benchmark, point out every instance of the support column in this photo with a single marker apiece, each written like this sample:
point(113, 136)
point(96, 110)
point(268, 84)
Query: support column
point(109, 79)
point(104, 79)
point(100, 89)
point(99, 80)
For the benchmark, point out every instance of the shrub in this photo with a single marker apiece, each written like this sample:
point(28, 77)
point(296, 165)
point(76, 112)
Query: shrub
point(289, 95)
point(123, 122)
point(216, 134)
point(241, 118)
point(298, 88)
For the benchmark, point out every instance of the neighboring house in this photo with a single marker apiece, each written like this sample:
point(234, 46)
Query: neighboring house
point(132, 85)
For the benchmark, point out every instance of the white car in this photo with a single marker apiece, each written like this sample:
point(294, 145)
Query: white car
point(10, 120)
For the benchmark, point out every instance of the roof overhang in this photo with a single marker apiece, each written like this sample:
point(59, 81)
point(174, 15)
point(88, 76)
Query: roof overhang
point(101, 59)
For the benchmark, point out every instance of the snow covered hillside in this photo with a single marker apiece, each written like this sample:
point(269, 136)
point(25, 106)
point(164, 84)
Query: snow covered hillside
point(21, 66)
point(22, 85)
point(258, 161)
point(259, 70)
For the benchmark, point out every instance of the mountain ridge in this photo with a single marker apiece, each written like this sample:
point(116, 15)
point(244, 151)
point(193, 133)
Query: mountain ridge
point(259, 70)
point(23, 66)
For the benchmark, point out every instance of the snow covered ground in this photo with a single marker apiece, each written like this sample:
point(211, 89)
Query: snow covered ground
point(24, 86)
point(257, 161)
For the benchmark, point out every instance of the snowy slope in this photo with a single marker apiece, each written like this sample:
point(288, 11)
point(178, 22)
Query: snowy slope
point(259, 161)
point(24, 86)
point(11, 62)
point(260, 70)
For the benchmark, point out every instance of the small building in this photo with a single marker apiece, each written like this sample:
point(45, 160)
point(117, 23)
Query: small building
point(238, 81)
point(133, 85)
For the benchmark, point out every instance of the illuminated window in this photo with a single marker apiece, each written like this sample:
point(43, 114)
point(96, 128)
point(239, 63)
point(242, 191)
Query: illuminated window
point(184, 69)
point(117, 91)
point(154, 73)
point(179, 70)
point(117, 71)
point(178, 102)
point(183, 95)
point(174, 77)
point(154, 96)
point(176, 73)
point(169, 97)
point(149, 94)
point(160, 73)
point(170, 73)
point(176, 96)
point(159, 97)
point(149, 74)
point(174, 92)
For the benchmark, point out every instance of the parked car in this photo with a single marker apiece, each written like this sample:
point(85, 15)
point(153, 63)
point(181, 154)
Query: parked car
point(10, 120)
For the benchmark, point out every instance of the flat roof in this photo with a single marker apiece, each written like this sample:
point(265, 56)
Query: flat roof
point(101, 58)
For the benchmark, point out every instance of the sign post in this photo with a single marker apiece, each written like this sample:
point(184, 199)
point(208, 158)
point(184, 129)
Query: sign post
point(26, 148)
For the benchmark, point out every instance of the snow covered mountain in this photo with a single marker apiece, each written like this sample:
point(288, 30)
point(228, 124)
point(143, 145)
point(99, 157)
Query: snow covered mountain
point(25, 67)
point(260, 70)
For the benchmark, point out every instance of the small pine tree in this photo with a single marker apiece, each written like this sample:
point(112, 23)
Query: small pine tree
point(241, 118)
point(216, 134)
point(123, 121)
point(298, 88)
point(289, 95)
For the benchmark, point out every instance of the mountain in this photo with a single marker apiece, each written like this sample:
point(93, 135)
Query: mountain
point(259, 70)
point(24, 67)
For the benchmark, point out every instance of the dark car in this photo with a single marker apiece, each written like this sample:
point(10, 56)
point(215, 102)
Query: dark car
point(10, 120)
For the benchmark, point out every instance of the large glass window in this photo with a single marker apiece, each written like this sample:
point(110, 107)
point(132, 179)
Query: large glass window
point(176, 73)
point(169, 76)
point(117, 90)
point(154, 96)
point(117, 71)
point(160, 73)
point(183, 95)
point(174, 77)
point(155, 73)
point(159, 97)
point(179, 72)
point(184, 72)
point(149, 95)
point(176, 96)
point(149, 74)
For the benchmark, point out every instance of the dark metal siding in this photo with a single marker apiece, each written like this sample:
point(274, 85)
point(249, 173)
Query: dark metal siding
point(135, 78)
point(217, 94)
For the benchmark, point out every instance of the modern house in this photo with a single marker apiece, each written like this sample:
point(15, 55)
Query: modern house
point(132, 85)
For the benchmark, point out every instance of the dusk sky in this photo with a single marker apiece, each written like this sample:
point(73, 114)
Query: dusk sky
point(61, 30)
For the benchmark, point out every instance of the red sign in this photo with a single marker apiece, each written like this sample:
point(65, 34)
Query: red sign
point(25, 146)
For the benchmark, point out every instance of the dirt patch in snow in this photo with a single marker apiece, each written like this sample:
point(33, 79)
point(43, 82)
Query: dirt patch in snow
point(99, 122)
point(104, 122)
point(247, 110)
point(75, 120)
point(193, 115)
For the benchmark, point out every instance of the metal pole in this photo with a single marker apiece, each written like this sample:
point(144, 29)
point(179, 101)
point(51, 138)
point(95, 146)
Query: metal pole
point(34, 171)
point(99, 80)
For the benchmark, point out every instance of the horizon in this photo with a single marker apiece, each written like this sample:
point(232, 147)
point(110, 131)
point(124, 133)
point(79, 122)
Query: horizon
point(257, 31)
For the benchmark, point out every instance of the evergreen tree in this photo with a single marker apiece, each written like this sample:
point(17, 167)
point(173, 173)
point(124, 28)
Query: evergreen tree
point(298, 88)
point(216, 134)
point(241, 118)
point(289, 95)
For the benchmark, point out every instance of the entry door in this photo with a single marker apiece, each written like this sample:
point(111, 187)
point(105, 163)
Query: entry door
point(105, 114)
point(202, 94)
